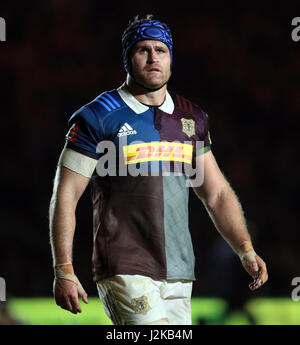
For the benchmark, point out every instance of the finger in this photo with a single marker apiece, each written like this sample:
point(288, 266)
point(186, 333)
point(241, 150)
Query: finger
point(251, 286)
point(254, 285)
point(259, 281)
point(73, 296)
point(263, 277)
point(85, 298)
point(75, 304)
point(64, 303)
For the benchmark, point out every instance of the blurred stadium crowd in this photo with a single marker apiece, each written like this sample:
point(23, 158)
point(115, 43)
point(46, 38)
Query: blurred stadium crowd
point(237, 62)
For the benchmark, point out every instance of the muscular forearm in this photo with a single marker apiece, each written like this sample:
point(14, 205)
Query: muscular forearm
point(62, 219)
point(227, 215)
point(67, 190)
point(226, 212)
point(62, 228)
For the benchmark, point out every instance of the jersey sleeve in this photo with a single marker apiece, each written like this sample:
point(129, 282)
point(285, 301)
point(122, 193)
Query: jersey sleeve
point(204, 135)
point(84, 134)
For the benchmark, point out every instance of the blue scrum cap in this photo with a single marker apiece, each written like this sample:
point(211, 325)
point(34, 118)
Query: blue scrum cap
point(144, 29)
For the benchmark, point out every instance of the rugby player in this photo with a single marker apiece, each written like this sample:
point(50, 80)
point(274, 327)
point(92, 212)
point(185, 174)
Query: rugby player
point(143, 260)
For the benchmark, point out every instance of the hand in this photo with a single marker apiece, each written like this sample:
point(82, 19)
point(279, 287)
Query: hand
point(66, 295)
point(67, 287)
point(254, 265)
point(258, 272)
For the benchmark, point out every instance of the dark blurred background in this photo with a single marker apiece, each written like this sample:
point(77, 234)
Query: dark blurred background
point(237, 60)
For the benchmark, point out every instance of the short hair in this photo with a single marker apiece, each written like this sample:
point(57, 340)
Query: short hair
point(137, 17)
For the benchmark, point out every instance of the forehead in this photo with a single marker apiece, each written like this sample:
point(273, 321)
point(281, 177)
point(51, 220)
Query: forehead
point(150, 43)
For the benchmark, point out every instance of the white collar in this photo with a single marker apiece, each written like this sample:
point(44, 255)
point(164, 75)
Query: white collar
point(138, 107)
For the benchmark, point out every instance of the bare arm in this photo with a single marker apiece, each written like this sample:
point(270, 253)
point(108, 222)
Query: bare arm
point(226, 212)
point(67, 190)
point(222, 204)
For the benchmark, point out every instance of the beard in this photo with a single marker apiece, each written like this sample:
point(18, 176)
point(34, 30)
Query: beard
point(150, 84)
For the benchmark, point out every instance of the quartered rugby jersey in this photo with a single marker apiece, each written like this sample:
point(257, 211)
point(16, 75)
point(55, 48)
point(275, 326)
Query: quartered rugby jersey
point(140, 207)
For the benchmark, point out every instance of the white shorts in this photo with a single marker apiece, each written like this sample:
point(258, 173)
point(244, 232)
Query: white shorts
point(140, 300)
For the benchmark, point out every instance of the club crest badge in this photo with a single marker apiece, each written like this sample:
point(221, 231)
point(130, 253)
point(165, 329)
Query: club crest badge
point(72, 133)
point(188, 127)
point(140, 305)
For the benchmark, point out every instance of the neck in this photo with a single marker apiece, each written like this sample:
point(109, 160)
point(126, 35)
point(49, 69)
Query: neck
point(144, 95)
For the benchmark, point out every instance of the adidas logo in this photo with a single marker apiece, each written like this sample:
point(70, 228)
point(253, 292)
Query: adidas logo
point(126, 129)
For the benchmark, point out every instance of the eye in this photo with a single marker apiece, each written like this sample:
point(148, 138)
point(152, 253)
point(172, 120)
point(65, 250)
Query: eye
point(143, 50)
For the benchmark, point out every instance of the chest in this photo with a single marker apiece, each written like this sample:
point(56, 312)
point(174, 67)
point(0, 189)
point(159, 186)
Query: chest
point(154, 136)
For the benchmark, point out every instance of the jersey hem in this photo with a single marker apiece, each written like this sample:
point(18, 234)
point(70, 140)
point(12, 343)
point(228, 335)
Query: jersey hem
point(98, 277)
point(78, 149)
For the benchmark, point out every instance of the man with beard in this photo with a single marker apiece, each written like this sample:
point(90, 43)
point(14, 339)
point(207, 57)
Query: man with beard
point(143, 260)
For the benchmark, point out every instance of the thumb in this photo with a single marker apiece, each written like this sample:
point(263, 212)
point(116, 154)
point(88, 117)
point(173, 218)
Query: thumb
point(82, 293)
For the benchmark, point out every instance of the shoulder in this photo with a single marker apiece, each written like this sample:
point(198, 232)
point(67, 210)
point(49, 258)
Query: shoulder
point(100, 107)
point(192, 116)
point(107, 102)
point(186, 106)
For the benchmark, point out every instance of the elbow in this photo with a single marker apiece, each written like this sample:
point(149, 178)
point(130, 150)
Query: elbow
point(209, 199)
point(217, 199)
point(212, 202)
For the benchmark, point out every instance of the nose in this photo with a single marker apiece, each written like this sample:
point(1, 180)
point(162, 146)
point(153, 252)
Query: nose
point(152, 56)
